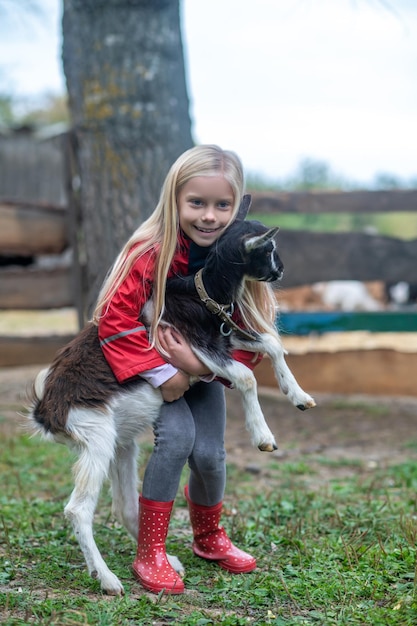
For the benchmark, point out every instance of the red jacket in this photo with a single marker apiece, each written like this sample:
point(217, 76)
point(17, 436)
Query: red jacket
point(123, 338)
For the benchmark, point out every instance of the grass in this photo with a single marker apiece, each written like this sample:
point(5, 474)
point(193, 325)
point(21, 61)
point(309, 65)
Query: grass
point(343, 554)
point(401, 225)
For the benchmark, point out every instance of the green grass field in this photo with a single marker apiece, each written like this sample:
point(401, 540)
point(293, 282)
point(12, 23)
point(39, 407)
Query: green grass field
point(341, 554)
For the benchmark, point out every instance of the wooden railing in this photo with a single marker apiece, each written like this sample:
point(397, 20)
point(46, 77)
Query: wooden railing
point(29, 232)
point(311, 257)
point(34, 230)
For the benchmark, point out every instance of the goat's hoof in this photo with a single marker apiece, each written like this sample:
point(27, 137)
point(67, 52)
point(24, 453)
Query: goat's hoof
point(115, 592)
point(307, 405)
point(110, 584)
point(267, 447)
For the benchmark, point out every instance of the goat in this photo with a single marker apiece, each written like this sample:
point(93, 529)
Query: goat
point(346, 295)
point(78, 401)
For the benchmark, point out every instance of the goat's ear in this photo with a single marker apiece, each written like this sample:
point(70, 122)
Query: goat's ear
point(260, 240)
point(244, 207)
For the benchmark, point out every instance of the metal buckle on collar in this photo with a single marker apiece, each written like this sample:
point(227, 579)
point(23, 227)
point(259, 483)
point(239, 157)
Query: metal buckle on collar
point(213, 306)
point(225, 333)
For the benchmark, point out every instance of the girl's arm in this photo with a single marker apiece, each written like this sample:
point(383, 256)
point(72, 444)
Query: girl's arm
point(175, 387)
point(179, 352)
point(123, 337)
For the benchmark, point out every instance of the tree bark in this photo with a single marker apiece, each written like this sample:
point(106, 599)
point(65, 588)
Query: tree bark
point(124, 66)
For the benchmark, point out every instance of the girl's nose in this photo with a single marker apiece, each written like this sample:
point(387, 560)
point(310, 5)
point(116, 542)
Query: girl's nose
point(209, 214)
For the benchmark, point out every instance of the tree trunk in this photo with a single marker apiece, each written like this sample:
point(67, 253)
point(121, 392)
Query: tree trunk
point(124, 66)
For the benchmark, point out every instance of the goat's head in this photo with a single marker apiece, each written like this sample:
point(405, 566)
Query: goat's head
point(259, 246)
point(260, 254)
point(251, 247)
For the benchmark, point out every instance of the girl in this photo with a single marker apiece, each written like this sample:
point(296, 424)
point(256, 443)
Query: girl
point(199, 199)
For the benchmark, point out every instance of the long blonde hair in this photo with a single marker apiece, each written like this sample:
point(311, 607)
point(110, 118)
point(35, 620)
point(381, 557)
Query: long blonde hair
point(159, 233)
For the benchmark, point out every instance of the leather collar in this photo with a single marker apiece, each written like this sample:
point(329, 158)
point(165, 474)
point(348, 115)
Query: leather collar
point(224, 311)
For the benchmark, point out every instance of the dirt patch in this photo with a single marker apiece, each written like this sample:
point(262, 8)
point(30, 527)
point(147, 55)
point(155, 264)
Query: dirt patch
point(353, 434)
point(341, 437)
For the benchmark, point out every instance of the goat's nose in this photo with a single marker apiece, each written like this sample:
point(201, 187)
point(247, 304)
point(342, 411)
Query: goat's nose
point(277, 275)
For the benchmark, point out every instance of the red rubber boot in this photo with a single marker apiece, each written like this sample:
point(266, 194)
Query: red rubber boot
point(151, 566)
point(211, 541)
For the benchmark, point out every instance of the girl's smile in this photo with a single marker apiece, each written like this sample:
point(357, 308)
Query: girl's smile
point(205, 207)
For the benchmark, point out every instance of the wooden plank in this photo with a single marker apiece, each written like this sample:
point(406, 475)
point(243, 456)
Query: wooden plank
point(306, 322)
point(375, 372)
point(30, 230)
point(17, 351)
point(398, 200)
point(313, 257)
point(31, 288)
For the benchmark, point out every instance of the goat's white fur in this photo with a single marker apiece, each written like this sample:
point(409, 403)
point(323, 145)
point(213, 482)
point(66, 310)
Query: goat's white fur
point(105, 444)
point(244, 380)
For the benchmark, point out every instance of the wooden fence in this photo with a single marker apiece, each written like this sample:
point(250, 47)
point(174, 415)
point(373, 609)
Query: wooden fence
point(34, 236)
point(42, 230)
point(30, 234)
point(311, 257)
point(32, 165)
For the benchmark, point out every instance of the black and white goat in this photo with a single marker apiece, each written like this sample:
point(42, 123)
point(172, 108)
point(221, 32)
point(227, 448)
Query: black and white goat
point(78, 401)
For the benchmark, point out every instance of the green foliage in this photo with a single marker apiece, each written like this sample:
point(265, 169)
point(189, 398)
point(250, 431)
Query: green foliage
point(400, 225)
point(49, 109)
point(310, 175)
point(6, 110)
point(315, 175)
point(343, 554)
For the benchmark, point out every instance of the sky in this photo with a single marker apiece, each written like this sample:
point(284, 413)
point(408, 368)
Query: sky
point(277, 81)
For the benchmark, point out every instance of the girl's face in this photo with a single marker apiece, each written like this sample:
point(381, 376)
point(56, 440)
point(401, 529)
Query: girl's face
point(205, 207)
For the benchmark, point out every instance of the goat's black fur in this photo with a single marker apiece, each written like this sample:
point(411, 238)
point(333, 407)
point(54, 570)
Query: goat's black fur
point(224, 272)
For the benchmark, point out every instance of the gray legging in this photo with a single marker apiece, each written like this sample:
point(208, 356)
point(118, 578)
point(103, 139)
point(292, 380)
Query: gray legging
point(190, 428)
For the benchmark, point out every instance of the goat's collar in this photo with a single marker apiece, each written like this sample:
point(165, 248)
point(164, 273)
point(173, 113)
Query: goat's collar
point(224, 311)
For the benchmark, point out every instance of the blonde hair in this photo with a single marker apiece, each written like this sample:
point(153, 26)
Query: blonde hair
point(159, 233)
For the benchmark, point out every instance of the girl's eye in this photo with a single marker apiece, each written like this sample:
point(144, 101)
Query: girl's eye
point(224, 205)
point(196, 202)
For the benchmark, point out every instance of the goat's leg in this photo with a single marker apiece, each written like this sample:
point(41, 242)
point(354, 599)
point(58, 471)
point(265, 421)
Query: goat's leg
point(123, 472)
point(288, 384)
point(90, 471)
point(244, 380)
point(267, 344)
point(286, 379)
point(256, 425)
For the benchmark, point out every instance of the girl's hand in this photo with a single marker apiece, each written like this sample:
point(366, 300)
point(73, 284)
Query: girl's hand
point(179, 352)
point(175, 387)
